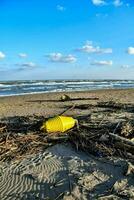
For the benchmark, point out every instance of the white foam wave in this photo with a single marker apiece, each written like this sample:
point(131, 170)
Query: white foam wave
point(35, 87)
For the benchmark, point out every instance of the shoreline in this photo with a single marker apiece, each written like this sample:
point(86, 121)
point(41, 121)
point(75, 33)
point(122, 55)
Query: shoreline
point(32, 87)
point(49, 103)
point(68, 92)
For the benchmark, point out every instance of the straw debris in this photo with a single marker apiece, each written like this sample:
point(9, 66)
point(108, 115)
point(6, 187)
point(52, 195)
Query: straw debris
point(102, 132)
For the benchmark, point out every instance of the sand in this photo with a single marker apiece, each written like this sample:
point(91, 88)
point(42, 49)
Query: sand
point(49, 104)
point(62, 172)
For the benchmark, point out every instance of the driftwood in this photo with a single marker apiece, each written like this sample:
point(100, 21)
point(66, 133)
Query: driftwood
point(57, 138)
point(98, 133)
point(122, 139)
point(2, 128)
point(68, 109)
point(112, 104)
point(84, 117)
point(65, 97)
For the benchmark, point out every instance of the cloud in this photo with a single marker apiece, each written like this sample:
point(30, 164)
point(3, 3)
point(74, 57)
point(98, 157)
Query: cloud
point(2, 55)
point(3, 71)
point(60, 8)
point(125, 66)
point(98, 2)
point(24, 66)
point(117, 3)
point(30, 64)
point(89, 48)
point(130, 50)
point(22, 55)
point(102, 63)
point(58, 57)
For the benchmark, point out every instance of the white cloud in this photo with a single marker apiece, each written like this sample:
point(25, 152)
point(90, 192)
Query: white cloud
point(117, 3)
point(22, 55)
point(130, 50)
point(30, 64)
point(108, 50)
point(102, 63)
point(58, 57)
point(2, 55)
point(89, 48)
point(125, 66)
point(60, 8)
point(98, 2)
point(25, 66)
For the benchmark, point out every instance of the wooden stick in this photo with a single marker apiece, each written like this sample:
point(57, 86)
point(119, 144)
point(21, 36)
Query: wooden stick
point(121, 139)
point(84, 117)
point(59, 196)
point(116, 127)
point(2, 128)
point(60, 138)
point(68, 109)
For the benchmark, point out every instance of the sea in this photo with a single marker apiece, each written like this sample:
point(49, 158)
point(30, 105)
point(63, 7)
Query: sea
point(11, 88)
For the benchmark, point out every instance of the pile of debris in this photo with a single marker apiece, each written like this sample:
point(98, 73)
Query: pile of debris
point(104, 133)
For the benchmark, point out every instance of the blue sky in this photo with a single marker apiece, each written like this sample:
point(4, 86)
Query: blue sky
point(66, 39)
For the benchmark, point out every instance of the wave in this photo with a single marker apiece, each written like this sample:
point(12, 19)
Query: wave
point(19, 83)
point(33, 87)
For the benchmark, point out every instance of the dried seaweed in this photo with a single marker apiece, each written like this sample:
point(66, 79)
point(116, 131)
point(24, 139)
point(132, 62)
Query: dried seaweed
point(101, 133)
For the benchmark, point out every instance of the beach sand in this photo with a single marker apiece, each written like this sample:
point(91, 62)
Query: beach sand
point(49, 104)
point(61, 171)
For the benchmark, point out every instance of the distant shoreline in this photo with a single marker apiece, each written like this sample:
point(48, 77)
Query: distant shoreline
point(16, 88)
point(64, 92)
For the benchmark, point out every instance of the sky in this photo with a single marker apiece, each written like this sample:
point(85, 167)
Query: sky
point(66, 39)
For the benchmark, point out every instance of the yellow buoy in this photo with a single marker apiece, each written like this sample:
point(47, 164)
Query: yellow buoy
point(59, 124)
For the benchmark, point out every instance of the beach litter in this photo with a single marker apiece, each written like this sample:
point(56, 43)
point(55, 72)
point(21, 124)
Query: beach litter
point(102, 132)
point(59, 124)
point(65, 97)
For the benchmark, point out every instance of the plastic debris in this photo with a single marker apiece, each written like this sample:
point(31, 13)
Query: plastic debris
point(59, 124)
point(65, 97)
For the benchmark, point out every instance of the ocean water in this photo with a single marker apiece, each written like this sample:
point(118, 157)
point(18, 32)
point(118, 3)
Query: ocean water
point(10, 88)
